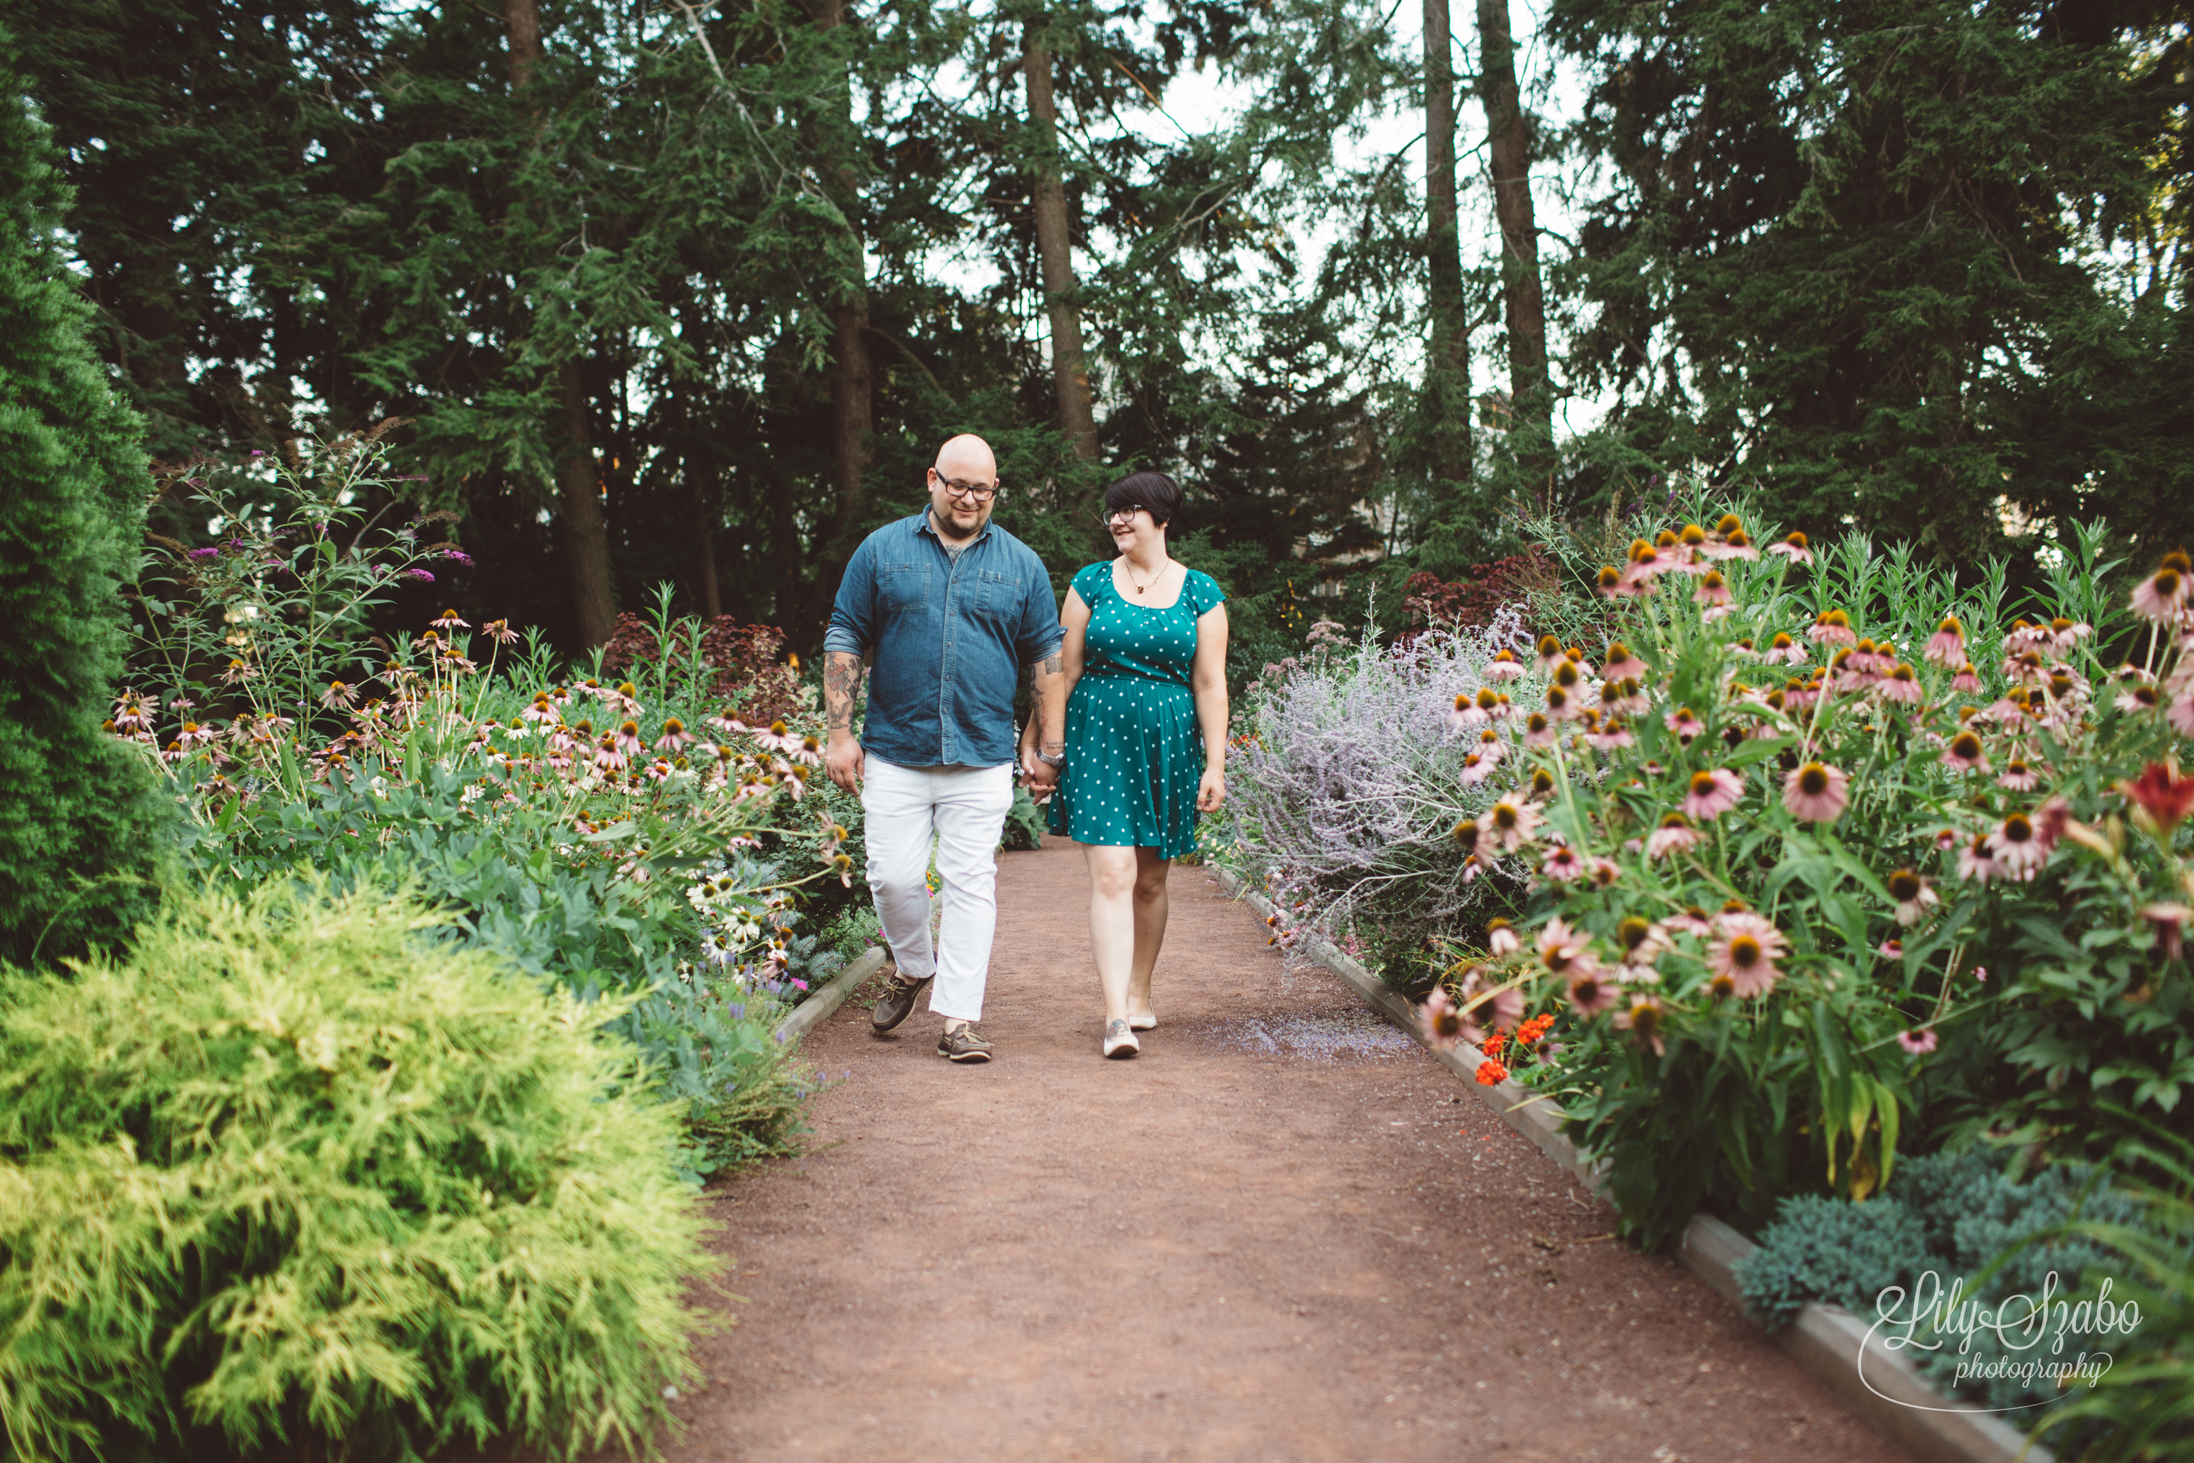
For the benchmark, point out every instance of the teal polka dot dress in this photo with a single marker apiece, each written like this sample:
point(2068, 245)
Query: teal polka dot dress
point(1134, 752)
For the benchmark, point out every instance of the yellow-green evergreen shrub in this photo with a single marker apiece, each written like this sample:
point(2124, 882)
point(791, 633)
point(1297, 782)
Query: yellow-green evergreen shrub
point(294, 1169)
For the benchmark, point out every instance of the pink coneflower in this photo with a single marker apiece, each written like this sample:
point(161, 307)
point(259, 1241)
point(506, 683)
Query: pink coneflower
point(1712, 590)
point(674, 737)
point(1891, 949)
point(2139, 698)
point(2161, 596)
point(1466, 713)
point(1538, 731)
point(1591, 990)
point(608, 757)
point(132, 715)
point(1612, 736)
point(1712, 793)
point(1562, 947)
point(1477, 767)
point(449, 621)
point(1563, 864)
point(1550, 653)
point(1816, 793)
point(2017, 849)
point(627, 736)
point(2019, 776)
point(1901, 686)
point(1675, 835)
point(1794, 547)
point(1911, 894)
point(1501, 937)
point(1917, 1043)
point(808, 750)
point(1502, 667)
point(1684, 722)
point(1611, 582)
point(1693, 921)
point(500, 631)
point(1560, 704)
point(1507, 825)
point(338, 693)
point(1745, 953)
point(1624, 666)
point(1833, 627)
point(1443, 1024)
point(1642, 941)
point(776, 737)
point(1965, 752)
point(1487, 1008)
point(1643, 1017)
point(1647, 561)
point(1967, 680)
point(1783, 648)
point(1946, 647)
point(1977, 860)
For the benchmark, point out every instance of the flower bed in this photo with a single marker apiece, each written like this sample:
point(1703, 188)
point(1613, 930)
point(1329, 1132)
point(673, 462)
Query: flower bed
point(649, 824)
point(1807, 860)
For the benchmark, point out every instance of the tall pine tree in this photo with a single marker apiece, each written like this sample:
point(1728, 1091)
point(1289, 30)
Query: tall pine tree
point(81, 826)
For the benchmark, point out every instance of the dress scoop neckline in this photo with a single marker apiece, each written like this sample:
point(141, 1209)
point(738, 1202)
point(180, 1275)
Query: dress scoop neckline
point(1113, 571)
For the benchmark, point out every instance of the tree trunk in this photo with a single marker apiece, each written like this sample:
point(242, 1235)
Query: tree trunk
point(1069, 366)
point(851, 385)
point(1447, 366)
point(1510, 151)
point(586, 532)
point(578, 482)
point(704, 540)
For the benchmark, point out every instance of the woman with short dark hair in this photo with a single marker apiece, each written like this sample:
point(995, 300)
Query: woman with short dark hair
point(1145, 663)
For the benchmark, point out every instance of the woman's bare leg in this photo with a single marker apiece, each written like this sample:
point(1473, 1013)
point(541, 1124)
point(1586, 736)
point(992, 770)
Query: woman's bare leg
point(1115, 926)
point(1150, 925)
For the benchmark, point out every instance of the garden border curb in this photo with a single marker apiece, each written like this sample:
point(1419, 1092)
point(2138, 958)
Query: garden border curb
point(1828, 1341)
point(809, 1013)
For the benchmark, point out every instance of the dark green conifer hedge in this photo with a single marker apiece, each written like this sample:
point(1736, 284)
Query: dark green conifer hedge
point(79, 819)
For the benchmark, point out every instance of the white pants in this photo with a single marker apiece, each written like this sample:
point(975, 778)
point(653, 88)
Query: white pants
point(965, 808)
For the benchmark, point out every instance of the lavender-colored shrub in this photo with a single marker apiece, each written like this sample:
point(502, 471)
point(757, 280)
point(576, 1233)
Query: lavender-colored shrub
point(1346, 794)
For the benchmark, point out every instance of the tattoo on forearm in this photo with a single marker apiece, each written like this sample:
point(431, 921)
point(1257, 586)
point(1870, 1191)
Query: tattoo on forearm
point(1054, 664)
point(841, 687)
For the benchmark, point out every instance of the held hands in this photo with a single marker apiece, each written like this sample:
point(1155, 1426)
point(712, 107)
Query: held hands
point(1041, 776)
point(843, 761)
point(1211, 791)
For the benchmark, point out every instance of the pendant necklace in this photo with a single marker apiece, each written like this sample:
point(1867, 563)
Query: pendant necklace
point(1139, 585)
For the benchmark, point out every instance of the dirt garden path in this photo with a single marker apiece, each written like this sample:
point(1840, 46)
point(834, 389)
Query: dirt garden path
point(1283, 1232)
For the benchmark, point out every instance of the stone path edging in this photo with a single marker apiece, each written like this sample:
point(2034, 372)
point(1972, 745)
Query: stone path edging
point(1828, 1341)
point(819, 1005)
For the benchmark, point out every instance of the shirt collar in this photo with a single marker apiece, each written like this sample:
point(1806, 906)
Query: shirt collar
point(923, 525)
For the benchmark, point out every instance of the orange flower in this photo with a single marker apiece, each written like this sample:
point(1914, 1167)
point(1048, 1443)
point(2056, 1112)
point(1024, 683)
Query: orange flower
point(1491, 1074)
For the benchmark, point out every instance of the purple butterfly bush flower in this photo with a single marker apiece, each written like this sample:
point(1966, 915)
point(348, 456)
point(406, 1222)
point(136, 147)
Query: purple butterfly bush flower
point(458, 557)
point(419, 574)
point(202, 553)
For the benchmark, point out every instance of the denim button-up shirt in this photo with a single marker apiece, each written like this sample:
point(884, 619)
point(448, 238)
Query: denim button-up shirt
point(950, 634)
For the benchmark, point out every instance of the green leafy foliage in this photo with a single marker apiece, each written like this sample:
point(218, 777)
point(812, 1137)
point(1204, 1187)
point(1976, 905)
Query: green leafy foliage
point(300, 1168)
point(79, 828)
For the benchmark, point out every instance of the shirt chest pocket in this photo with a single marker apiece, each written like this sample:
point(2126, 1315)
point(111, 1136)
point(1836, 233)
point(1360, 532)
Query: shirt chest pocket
point(998, 597)
point(903, 587)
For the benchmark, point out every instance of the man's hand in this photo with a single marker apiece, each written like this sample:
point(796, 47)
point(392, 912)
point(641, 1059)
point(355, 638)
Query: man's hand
point(843, 760)
point(841, 688)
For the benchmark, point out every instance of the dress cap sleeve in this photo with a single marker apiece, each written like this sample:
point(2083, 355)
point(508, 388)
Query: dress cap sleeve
point(1205, 591)
point(1091, 581)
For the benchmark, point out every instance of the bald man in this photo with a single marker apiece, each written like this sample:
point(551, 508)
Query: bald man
point(948, 608)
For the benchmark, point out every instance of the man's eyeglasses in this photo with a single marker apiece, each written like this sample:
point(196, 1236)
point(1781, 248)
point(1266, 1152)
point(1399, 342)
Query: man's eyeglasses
point(976, 492)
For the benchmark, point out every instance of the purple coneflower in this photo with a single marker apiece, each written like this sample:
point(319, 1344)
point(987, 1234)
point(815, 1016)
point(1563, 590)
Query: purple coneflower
point(1685, 723)
point(1946, 647)
point(338, 693)
point(2019, 776)
point(674, 737)
point(1443, 1024)
point(1538, 731)
point(1501, 937)
point(1622, 665)
point(1674, 835)
point(1466, 713)
point(2161, 596)
point(448, 620)
point(1591, 990)
point(1612, 736)
point(1965, 752)
point(1977, 860)
point(1746, 953)
point(1486, 1008)
point(1833, 627)
point(2016, 847)
point(1911, 894)
point(2139, 698)
point(1816, 793)
point(1712, 590)
point(1794, 547)
point(1901, 686)
point(1917, 1043)
point(1891, 949)
point(1644, 1018)
point(1712, 793)
point(1508, 824)
point(1502, 667)
point(1477, 767)
point(1563, 864)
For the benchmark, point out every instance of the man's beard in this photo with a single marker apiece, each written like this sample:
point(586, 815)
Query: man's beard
point(944, 525)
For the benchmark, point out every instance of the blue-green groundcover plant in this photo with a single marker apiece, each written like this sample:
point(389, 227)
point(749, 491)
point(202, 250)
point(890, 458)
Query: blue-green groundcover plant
point(296, 1172)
